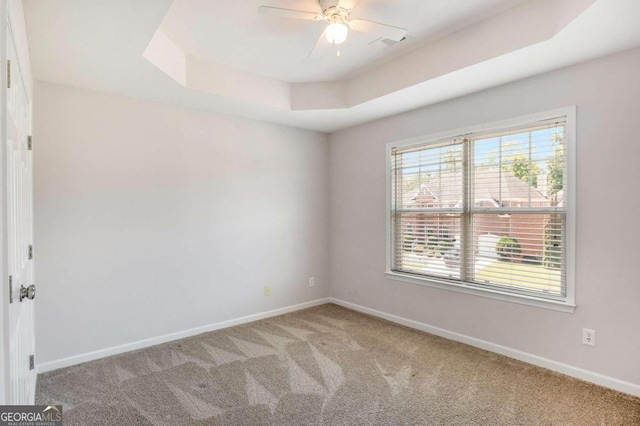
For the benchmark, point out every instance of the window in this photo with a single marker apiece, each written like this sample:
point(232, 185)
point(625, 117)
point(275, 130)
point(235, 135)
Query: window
point(487, 211)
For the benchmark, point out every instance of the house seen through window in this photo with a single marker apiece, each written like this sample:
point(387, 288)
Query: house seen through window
point(484, 210)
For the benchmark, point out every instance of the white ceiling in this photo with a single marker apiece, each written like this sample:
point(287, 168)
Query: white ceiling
point(232, 33)
point(99, 44)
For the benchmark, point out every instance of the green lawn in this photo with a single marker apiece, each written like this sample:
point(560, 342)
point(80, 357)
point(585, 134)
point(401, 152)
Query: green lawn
point(516, 275)
point(513, 274)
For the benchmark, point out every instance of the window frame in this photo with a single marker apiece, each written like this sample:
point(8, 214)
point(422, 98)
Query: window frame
point(565, 305)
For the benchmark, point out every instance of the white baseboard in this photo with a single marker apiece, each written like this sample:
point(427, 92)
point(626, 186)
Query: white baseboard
point(114, 350)
point(578, 373)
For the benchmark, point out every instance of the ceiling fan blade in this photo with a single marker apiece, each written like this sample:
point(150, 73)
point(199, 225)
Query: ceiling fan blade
point(320, 46)
point(289, 13)
point(383, 30)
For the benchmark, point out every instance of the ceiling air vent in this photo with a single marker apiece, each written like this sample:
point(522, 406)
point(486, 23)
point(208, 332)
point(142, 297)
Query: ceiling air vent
point(383, 43)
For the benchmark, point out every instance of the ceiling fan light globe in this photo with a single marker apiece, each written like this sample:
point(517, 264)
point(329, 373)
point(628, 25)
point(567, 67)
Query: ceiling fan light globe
point(336, 33)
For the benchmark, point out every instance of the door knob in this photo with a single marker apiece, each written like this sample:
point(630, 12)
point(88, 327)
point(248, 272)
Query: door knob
point(27, 292)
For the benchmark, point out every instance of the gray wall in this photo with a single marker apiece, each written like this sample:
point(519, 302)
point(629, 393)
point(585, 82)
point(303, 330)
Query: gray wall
point(607, 95)
point(151, 219)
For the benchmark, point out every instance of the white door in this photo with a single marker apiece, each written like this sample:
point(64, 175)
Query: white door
point(19, 231)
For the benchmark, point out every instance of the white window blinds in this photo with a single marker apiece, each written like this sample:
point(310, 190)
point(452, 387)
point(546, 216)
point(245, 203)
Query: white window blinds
point(484, 210)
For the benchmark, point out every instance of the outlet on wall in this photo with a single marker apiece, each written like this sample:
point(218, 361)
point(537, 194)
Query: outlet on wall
point(312, 281)
point(267, 290)
point(588, 337)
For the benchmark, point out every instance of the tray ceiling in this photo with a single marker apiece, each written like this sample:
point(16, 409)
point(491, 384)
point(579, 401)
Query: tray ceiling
point(223, 57)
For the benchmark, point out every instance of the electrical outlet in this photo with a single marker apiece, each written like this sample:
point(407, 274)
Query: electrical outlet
point(267, 290)
point(588, 337)
point(312, 281)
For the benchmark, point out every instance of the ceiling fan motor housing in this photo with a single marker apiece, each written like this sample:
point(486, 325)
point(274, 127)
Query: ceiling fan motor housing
point(333, 12)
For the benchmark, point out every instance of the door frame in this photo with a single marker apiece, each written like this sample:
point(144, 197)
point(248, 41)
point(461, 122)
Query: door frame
point(4, 296)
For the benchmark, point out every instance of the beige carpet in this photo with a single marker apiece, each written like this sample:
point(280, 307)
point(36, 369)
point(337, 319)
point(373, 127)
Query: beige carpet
point(325, 365)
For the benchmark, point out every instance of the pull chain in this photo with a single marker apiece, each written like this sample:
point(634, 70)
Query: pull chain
point(334, 45)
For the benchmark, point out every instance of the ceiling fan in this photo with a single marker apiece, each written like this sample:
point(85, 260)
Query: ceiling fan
point(336, 13)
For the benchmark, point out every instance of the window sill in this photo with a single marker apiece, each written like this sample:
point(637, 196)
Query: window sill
point(488, 293)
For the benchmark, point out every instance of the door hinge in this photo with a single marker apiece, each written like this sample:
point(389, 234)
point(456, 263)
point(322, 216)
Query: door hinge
point(10, 289)
point(8, 74)
point(30, 143)
point(32, 362)
point(30, 252)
